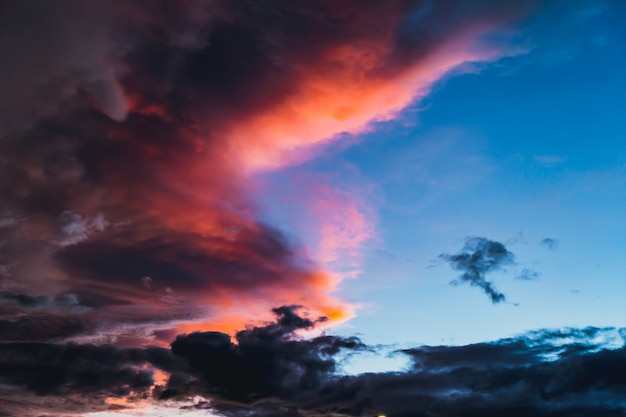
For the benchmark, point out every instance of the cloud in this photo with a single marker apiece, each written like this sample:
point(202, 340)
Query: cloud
point(510, 376)
point(265, 362)
point(479, 257)
point(527, 375)
point(44, 327)
point(527, 275)
point(59, 378)
point(39, 302)
point(90, 372)
point(156, 117)
point(73, 228)
point(561, 17)
point(549, 243)
point(56, 52)
point(7, 220)
point(270, 370)
point(342, 223)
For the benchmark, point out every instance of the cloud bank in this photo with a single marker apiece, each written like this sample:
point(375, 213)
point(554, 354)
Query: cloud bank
point(271, 371)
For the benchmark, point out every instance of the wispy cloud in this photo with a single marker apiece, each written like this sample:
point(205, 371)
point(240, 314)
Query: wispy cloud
point(527, 275)
point(549, 243)
point(549, 160)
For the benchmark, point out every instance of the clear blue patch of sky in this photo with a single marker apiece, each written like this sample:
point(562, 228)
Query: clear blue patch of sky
point(529, 147)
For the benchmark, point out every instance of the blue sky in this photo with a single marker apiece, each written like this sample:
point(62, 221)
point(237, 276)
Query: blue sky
point(304, 207)
point(519, 150)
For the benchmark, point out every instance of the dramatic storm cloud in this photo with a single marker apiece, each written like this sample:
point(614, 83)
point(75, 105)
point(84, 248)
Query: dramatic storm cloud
point(265, 362)
point(270, 371)
point(131, 133)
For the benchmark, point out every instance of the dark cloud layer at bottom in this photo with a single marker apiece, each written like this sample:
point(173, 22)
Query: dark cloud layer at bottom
point(270, 371)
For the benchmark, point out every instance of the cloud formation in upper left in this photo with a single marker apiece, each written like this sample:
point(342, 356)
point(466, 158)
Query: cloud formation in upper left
point(130, 131)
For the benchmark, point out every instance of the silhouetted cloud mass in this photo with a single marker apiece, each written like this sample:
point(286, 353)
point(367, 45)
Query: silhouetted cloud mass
point(264, 362)
point(269, 370)
point(479, 257)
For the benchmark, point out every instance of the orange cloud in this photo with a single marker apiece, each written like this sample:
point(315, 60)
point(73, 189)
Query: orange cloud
point(344, 93)
point(201, 192)
point(214, 97)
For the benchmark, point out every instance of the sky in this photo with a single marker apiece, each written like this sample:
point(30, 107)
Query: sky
point(312, 208)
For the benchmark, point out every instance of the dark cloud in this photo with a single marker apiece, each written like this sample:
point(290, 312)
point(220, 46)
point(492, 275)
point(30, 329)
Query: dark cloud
point(40, 302)
point(181, 261)
point(26, 317)
point(44, 327)
point(29, 302)
point(52, 53)
point(270, 371)
point(509, 377)
point(479, 257)
point(48, 369)
point(549, 243)
point(544, 373)
point(73, 379)
point(265, 362)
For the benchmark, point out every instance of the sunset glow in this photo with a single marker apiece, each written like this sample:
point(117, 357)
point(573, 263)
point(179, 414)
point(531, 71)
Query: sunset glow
point(312, 208)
